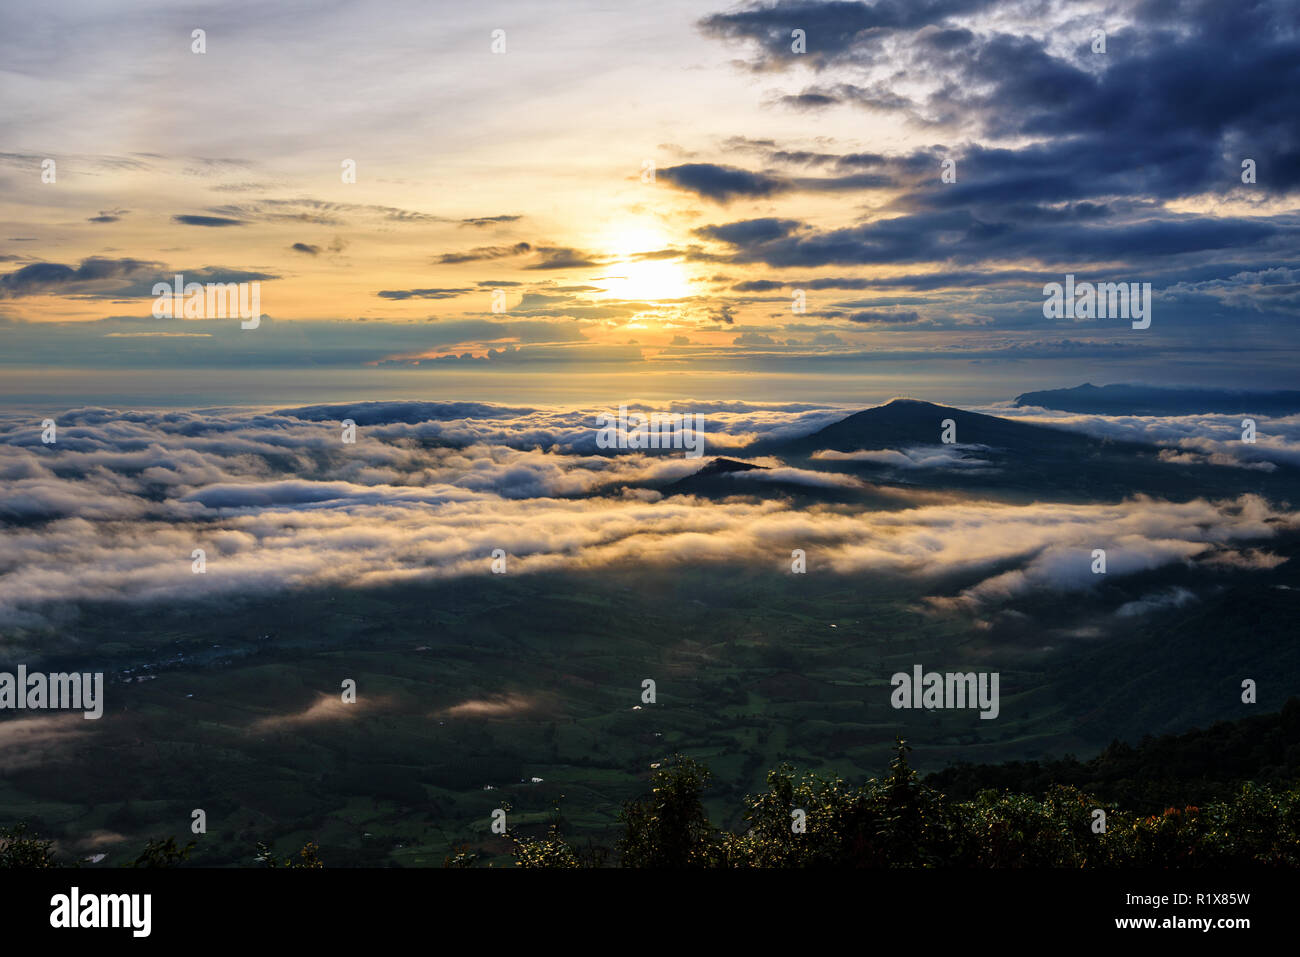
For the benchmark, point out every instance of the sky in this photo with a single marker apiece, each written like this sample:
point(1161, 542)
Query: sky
point(659, 200)
point(768, 214)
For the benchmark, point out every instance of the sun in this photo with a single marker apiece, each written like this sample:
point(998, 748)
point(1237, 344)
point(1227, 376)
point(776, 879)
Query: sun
point(646, 280)
point(630, 277)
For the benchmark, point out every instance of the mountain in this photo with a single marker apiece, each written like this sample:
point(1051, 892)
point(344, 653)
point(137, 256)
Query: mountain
point(722, 478)
point(716, 480)
point(911, 422)
point(1196, 767)
point(901, 444)
point(722, 466)
point(1153, 400)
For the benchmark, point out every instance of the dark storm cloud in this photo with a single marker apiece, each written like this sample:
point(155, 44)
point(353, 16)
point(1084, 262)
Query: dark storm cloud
point(834, 30)
point(1180, 96)
point(960, 236)
point(1185, 91)
point(1212, 273)
point(749, 231)
point(723, 183)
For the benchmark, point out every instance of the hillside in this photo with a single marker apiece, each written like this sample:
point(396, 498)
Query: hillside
point(1173, 769)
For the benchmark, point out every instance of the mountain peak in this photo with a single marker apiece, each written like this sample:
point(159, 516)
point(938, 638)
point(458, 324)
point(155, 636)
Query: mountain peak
point(906, 422)
point(905, 402)
point(721, 466)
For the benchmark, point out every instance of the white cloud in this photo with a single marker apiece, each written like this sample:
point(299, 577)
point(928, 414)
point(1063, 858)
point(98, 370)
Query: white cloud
point(114, 510)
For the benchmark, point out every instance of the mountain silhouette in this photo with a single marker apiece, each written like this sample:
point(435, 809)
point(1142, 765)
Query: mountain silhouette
point(721, 466)
point(1006, 459)
point(912, 422)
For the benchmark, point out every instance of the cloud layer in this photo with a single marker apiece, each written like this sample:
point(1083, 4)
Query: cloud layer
point(276, 500)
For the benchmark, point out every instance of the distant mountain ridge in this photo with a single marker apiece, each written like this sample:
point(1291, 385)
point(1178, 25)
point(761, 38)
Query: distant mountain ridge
point(1157, 400)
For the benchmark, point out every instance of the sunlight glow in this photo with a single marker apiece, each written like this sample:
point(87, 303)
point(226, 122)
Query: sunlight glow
point(643, 279)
